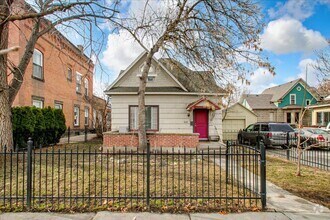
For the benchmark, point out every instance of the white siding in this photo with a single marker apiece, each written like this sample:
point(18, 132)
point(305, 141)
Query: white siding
point(132, 80)
point(173, 116)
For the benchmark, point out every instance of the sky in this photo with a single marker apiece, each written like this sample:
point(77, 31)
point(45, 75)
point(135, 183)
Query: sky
point(294, 30)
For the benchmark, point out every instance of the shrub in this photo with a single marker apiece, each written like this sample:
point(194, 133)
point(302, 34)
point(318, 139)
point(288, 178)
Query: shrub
point(45, 126)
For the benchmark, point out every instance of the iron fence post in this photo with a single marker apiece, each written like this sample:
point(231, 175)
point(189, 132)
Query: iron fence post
point(263, 175)
point(287, 139)
point(288, 154)
point(69, 134)
point(227, 162)
point(148, 175)
point(29, 174)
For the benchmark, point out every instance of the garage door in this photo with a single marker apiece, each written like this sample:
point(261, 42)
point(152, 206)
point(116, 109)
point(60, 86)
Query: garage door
point(231, 127)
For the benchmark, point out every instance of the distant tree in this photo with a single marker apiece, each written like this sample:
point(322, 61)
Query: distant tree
point(217, 36)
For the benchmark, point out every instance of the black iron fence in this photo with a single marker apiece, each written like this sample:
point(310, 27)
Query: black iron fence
point(90, 179)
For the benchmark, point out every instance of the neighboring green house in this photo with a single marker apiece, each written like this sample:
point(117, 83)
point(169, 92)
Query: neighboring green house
point(282, 103)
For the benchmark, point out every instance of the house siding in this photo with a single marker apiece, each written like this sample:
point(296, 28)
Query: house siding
point(162, 79)
point(173, 116)
point(300, 97)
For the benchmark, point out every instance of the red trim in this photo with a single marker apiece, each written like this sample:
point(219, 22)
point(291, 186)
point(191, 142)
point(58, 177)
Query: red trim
point(194, 105)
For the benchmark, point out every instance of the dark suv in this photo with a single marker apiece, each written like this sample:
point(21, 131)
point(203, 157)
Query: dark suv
point(270, 133)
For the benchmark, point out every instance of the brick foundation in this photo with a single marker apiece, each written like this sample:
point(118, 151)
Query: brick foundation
point(115, 139)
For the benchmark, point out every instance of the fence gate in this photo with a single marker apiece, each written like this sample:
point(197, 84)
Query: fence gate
point(88, 178)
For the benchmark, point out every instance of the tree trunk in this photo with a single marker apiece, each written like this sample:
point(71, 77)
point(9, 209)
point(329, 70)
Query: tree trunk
point(6, 133)
point(141, 100)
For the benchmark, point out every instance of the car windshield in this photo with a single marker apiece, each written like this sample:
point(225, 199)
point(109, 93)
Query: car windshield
point(281, 127)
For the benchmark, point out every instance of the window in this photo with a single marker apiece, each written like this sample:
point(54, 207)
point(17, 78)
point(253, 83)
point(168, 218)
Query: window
point(86, 115)
point(249, 128)
point(288, 117)
point(256, 127)
point(264, 127)
point(76, 114)
point(151, 78)
point(38, 103)
point(37, 64)
point(69, 76)
point(86, 86)
point(152, 115)
point(78, 82)
point(58, 105)
point(308, 101)
point(322, 118)
point(319, 118)
point(292, 99)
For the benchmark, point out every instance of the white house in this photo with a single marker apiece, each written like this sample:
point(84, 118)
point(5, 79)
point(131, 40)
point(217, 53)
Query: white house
point(182, 106)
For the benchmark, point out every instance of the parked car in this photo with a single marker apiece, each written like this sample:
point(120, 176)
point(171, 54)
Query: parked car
point(270, 133)
point(315, 136)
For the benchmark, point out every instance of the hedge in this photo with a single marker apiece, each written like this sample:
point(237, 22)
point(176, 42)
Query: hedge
point(45, 126)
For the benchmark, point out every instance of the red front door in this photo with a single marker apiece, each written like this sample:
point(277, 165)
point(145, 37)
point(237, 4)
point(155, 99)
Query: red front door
point(201, 123)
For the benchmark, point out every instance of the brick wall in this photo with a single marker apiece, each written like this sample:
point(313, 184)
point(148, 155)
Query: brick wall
point(115, 139)
point(58, 55)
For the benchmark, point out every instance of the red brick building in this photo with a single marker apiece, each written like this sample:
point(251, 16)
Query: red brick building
point(59, 75)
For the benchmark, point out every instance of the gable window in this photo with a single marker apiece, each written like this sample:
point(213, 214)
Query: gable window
point(308, 101)
point(151, 78)
point(58, 105)
point(38, 102)
point(76, 115)
point(152, 116)
point(78, 82)
point(69, 75)
point(292, 99)
point(37, 64)
point(86, 115)
point(86, 86)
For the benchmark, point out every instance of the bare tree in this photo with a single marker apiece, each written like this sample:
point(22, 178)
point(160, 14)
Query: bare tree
point(45, 16)
point(323, 62)
point(216, 36)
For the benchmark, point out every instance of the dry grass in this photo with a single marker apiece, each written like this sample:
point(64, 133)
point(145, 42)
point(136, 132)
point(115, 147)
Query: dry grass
point(313, 185)
point(100, 181)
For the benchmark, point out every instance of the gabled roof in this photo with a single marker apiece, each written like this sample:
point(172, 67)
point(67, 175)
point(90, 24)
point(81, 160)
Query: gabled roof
point(188, 81)
point(239, 104)
point(278, 92)
point(195, 104)
point(259, 101)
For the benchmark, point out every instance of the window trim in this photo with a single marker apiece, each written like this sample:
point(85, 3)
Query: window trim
point(78, 74)
point(58, 103)
point(295, 99)
point(42, 65)
point(74, 107)
point(86, 124)
point(148, 130)
point(67, 73)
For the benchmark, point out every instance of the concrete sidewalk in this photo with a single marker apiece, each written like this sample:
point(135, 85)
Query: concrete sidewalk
point(157, 216)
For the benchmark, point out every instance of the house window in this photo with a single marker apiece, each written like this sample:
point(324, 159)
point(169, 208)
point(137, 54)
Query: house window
point(69, 76)
point(78, 82)
point(86, 115)
point(37, 64)
point(308, 101)
point(322, 118)
point(151, 78)
point(152, 115)
point(292, 99)
point(39, 103)
point(86, 87)
point(58, 105)
point(76, 114)
point(288, 117)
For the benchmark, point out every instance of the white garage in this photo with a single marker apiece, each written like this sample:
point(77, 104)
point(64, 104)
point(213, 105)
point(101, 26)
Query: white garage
point(236, 117)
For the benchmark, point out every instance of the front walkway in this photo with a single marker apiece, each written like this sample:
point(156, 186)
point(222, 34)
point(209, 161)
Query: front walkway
point(77, 138)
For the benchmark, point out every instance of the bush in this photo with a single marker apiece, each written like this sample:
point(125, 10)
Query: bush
point(45, 126)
